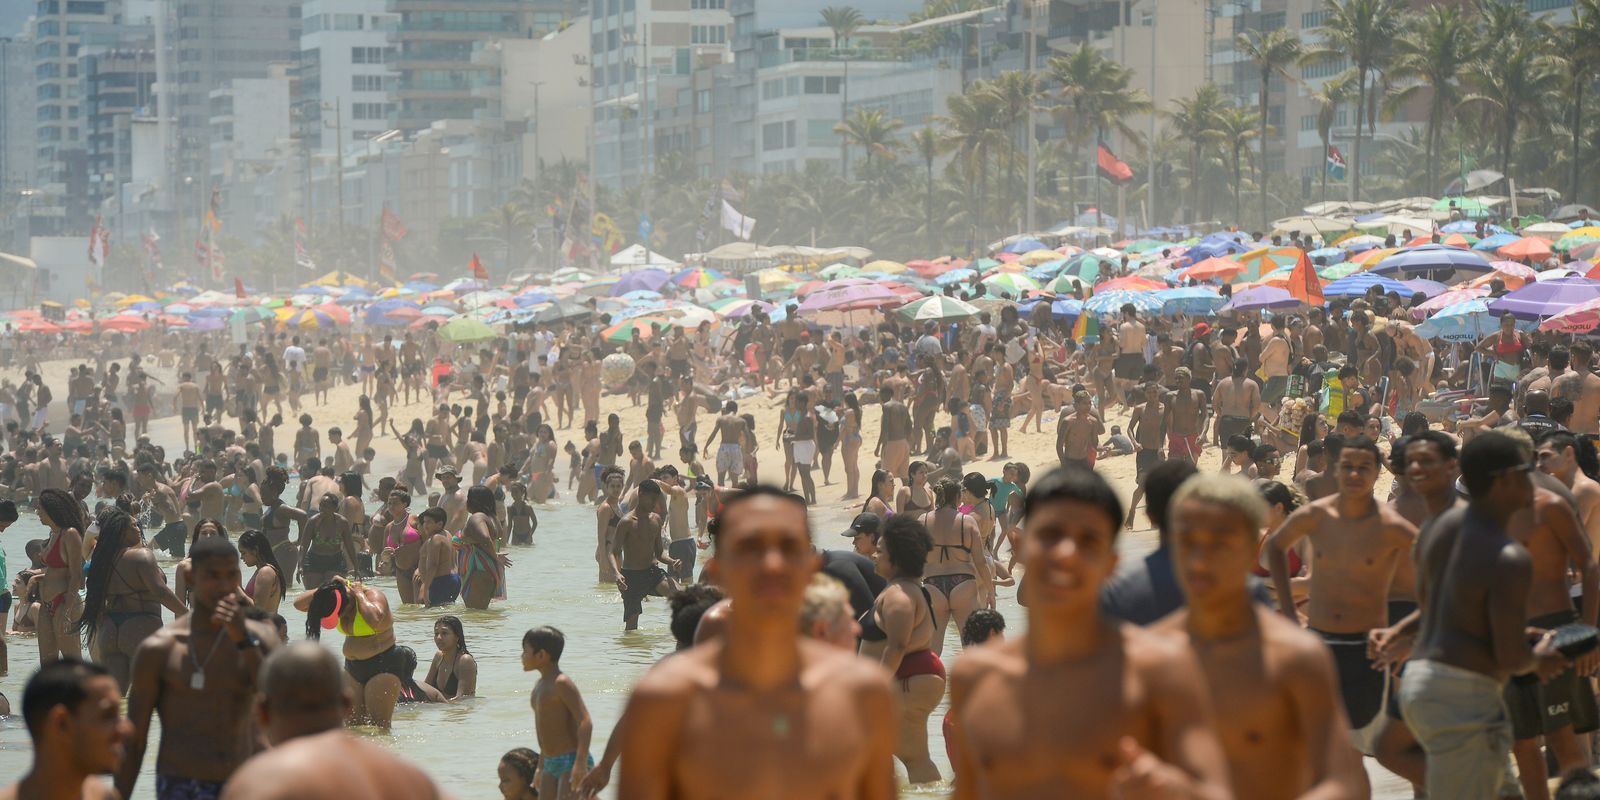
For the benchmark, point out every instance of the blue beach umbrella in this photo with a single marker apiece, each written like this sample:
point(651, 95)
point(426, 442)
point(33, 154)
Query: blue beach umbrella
point(1358, 284)
point(1111, 302)
point(1192, 300)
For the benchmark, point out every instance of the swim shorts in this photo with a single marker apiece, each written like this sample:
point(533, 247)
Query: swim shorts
point(686, 552)
point(1144, 461)
point(438, 451)
point(730, 459)
point(1360, 685)
point(1230, 426)
point(560, 765)
point(1183, 445)
point(444, 589)
point(804, 451)
point(172, 538)
point(390, 661)
point(1539, 708)
point(191, 414)
point(169, 787)
point(641, 582)
point(323, 562)
point(1129, 366)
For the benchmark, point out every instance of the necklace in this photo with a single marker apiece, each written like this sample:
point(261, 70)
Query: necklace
point(197, 681)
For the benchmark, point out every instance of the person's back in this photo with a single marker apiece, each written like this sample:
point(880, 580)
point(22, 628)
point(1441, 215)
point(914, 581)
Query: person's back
point(333, 766)
point(1461, 556)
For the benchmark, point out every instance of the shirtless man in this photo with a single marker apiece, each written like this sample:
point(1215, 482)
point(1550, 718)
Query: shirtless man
point(1473, 585)
point(1325, 482)
point(51, 471)
point(681, 543)
point(204, 701)
point(730, 456)
point(1359, 545)
point(1237, 400)
point(1275, 355)
point(1078, 433)
point(1582, 387)
point(1185, 419)
point(1147, 427)
point(173, 537)
point(452, 497)
point(1558, 458)
point(635, 548)
point(321, 371)
point(894, 432)
point(302, 709)
point(1284, 733)
point(640, 467)
point(1009, 740)
point(830, 730)
point(1131, 335)
point(187, 400)
point(343, 458)
point(73, 711)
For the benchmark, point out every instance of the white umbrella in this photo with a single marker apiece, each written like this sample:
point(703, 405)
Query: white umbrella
point(938, 308)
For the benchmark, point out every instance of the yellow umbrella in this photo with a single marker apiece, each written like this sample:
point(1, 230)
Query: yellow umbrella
point(1263, 260)
point(774, 279)
point(135, 298)
point(1588, 230)
point(884, 265)
point(1034, 258)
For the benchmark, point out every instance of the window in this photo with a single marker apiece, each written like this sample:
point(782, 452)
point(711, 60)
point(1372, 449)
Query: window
point(705, 4)
point(772, 136)
point(820, 131)
point(366, 83)
point(772, 90)
point(1308, 122)
point(1272, 21)
point(702, 101)
point(1324, 69)
point(366, 55)
point(368, 111)
point(1313, 19)
point(708, 34)
point(820, 84)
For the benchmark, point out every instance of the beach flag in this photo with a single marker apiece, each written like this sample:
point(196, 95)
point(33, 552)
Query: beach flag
point(1335, 163)
point(392, 226)
point(99, 243)
point(202, 253)
point(302, 251)
point(238, 287)
point(736, 223)
point(1304, 285)
point(386, 262)
point(477, 269)
point(214, 210)
point(1111, 168)
point(1086, 329)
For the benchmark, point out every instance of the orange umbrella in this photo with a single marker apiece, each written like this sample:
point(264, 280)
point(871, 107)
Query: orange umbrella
point(1373, 256)
point(1527, 247)
point(1132, 283)
point(1213, 269)
point(37, 325)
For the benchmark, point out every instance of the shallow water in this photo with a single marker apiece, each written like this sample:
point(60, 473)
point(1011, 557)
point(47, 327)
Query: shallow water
point(550, 583)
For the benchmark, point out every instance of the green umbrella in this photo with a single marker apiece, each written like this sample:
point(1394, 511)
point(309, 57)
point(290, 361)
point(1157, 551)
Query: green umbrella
point(255, 314)
point(1566, 243)
point(1014, 283)
point(1145, 246)
point(836, 271)
point(466, 329)
point(1338, 271)
point(937, 308)
point(1469, 208)
point(1064, 284)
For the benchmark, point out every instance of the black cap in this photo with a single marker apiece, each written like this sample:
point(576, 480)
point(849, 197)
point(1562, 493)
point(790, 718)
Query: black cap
point(865, 522)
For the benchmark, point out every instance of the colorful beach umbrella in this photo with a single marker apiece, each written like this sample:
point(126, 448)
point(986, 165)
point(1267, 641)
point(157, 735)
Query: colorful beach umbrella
point(1531, 247)
point(1111, 302)
point(938, 308)
point(1546, 298)
point(1015, 284)
point(1192, 300)
point(1470, 320)
point(466, 329)
point(1261, 298)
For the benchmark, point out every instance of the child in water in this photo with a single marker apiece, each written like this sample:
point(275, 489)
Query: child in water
point(561, 720)
point(521, 516)
point(516, 771)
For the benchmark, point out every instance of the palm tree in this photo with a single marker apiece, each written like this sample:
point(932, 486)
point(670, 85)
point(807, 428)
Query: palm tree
point(969, 129)
point(1362, 31)
point(873, 132)
point(1098, 97)
point(843, 20)
point(1432, 50)
point(926, 142)
point(1236, 125)
point(1016, 94)
point(508, 222)
point(1272, 53)
point(1195, 120)
point(1580, 54)
point(1327, 98)
point(1513, 81)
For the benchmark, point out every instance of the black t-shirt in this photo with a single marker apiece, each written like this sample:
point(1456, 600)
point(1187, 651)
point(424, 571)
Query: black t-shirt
point(859, 576)
point(1538, 425)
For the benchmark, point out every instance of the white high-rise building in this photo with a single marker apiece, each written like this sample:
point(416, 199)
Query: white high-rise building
point(344, 73)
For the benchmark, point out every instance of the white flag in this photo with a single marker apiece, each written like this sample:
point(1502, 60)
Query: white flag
point(735, 223)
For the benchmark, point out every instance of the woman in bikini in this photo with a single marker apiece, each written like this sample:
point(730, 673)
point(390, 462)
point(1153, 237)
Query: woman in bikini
point(351, 508)
point(482, 565)
point(958, 567)
point(454, 672)
point(881, 495)
point(850, 445)
point(915, 497)
point(413, 441)
point(327, 547)
point(266, 586)
point(125, 592)
point(363, 432)
point(1508, 346)
point(900, 633)
point(372, 660)
point(183, 574)
point(402, 546)
point(62, 577)
point(542, 466)
point(788, 421)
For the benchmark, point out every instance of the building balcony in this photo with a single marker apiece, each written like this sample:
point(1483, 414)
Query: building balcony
point(508, 6)
point(773, 58)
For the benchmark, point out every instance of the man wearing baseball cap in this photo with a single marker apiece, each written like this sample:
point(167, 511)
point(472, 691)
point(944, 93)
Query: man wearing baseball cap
point(452, 497)
point(857, 571)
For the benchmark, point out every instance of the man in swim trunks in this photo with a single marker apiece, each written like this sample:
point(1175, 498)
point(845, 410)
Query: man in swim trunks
point(187, 399)
point(1154, 738)
point(74, 716)
point(1237, 401)
point(829, 728)
point(1284, 732)
point(173, 536)
point(635, 548)
point(1131, 335)
point(561, 720)
point(437, 581)
point(199, 673)
point(452, 497)
point(1360, 546)
point(302, 709)
point(894, 436)
point(730, 456)
point(1185, 418)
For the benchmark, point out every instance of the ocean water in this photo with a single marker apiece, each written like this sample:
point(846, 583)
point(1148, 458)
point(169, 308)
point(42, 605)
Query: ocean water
point(550, 583)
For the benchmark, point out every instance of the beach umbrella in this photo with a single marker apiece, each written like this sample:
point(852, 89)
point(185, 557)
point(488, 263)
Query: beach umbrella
point(1575, 246)
point(773, 279)
point(484, 298)
point(955, 276)
point(1308, 225)
point(640, 295)
point(1358, 243)
point(1111, 302)
point(205, 324)
point(1527, 247)
point(561, 311)
point(834, 271)
point(1581, 318)
point(843, 298)
point(1192, 300)
point(1261, 298)
point(466, 329)
point(937, 308)
point(250, 314)
point(1430, 257)
point(646, 326)
point(1469, 208)
point(884, 265)
point(1337, 271)
point(1448, 299)
point(125, 323)
point(1061, 308)
point(1013, 283)
point(649, 279)
point(1328, 255)
point(464, 285)
point(1358, 284)
point(1047, 270)
point(696, 277)
point(1546, 230)
point(736, 307)
point(427, 321)
point(1024, 245)
point(1426, 287)
point(1546, 298)
point(1469, 321)
point(179, 309)
point(1130, 283)
point(1034, 258)
point(1212, 269)
point(1515, 270)
point(134, 299)
point(1067, 284)
point(323, 317)
point(1145, 246)
point(391, 318)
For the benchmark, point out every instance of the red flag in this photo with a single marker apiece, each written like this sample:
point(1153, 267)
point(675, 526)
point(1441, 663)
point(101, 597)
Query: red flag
point(477, 269)
point(238, 288)
point(392, 226)
point(1304, 284)
point(1112, 169)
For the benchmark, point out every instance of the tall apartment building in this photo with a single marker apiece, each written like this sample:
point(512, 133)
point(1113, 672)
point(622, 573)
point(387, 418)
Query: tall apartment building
point(433, 43)
point(344, 75)
point(217, 41)
point(116, 87)
point(17, 130)
point(60, 171)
